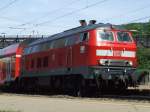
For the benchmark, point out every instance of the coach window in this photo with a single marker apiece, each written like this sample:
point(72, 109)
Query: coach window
point(28, 50)
point(45, 61)
point(35, 48)
point(84, 36)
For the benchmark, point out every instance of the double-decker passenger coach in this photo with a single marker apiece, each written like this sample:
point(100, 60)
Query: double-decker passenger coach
point(11, 64)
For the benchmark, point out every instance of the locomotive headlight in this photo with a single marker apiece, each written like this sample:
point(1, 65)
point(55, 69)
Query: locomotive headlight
point(101, 62)
point(130, 63)
point(127, 62)
point(104, 62)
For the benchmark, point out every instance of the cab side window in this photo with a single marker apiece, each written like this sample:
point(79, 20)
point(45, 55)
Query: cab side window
point(84, 37)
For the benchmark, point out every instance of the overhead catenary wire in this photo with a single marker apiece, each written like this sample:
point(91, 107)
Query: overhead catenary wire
point(10, 19)
point(7, 5)
point(91, 5)
point(88, 6)
point(30, 22)
point(72, 12)
point(129, 12)
point(67, 14)
point(51, 12)
point(139, 19)
point(135, 20)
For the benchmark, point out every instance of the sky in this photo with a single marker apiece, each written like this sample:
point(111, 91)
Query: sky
point(47, 17)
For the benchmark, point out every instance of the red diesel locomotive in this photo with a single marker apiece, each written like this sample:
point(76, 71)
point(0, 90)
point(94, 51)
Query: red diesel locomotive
point(80, 59)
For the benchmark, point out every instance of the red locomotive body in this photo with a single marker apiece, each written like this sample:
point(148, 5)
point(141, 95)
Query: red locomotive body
point(87, 55)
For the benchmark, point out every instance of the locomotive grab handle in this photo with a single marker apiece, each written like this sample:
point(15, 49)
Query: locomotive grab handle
point(124, 49)
point(111, 49)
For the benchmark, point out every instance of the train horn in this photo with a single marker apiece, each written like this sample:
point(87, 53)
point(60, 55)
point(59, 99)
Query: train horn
point(91, 22)
point(83, 22)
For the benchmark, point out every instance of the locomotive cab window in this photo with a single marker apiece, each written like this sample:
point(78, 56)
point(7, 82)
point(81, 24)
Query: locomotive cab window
point(105, 36)
point(123, 37)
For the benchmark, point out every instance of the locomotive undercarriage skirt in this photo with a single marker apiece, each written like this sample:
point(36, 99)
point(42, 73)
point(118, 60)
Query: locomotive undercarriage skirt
point(112, 73)
point(88, 72)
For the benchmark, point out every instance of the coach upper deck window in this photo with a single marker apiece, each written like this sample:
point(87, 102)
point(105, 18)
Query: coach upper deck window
point(123, 37)
point(105, 36)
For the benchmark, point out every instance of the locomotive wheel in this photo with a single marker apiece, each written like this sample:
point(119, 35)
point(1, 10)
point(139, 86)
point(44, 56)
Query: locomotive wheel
point(100, 86)
point(121, 86)
point(83, 89)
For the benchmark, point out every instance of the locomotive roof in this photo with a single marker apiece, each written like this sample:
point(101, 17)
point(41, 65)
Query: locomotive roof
point(73, 31)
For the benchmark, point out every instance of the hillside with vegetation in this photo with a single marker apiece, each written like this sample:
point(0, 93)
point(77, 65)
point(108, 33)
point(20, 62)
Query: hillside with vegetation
point(142, 28)
point(143, 53)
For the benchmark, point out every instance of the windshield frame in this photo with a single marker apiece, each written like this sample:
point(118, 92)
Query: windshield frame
point(129, 34)
point(99, 36)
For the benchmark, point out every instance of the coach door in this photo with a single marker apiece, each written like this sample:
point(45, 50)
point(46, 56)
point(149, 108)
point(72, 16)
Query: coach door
point(8, 70)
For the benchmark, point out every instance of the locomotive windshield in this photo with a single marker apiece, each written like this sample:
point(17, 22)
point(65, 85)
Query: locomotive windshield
point(123, 37)
point(105, 36)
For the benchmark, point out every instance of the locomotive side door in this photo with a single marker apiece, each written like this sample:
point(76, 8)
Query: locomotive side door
point(69, 57)
point(82, 48)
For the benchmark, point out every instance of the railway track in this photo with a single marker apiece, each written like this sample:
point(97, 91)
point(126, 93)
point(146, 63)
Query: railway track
point(129, 95)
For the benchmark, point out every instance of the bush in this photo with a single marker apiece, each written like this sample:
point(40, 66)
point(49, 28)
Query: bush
point(143, 55)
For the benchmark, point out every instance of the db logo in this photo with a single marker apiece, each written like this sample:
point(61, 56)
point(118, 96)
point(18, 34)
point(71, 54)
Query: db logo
point(117, 53)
